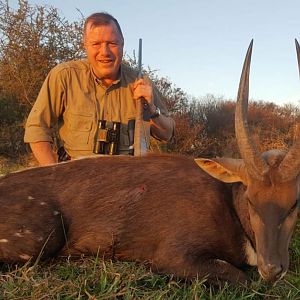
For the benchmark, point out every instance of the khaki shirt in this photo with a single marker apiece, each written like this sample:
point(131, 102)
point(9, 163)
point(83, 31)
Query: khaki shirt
point(72, 100)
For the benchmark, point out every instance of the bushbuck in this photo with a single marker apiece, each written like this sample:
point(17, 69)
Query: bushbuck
point(162, 210)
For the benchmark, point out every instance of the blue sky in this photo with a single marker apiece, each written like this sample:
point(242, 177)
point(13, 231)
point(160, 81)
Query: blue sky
point(200, 45)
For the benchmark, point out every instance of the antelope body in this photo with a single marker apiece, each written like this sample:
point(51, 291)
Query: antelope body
point(163, 210)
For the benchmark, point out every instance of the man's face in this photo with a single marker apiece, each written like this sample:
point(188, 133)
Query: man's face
point(104, 48)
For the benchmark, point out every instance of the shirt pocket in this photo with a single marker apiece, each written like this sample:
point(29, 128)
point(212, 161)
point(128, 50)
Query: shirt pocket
point(79, 131)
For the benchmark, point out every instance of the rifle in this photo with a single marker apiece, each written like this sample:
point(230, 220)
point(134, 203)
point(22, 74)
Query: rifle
point(140, 136)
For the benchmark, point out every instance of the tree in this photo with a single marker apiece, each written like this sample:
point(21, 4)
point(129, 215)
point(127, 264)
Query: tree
point(33, 39)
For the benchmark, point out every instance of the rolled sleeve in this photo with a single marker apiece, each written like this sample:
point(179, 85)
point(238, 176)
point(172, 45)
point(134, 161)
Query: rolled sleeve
point(36, 133)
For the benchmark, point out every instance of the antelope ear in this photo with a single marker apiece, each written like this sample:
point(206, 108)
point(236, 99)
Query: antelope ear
point(224, 169)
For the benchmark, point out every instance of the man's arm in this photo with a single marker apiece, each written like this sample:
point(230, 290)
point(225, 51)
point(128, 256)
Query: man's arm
point(43, 152)
point(162, 127)
point(44, 115)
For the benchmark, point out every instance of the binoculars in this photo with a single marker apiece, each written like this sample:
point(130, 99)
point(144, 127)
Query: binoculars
point(107, 138)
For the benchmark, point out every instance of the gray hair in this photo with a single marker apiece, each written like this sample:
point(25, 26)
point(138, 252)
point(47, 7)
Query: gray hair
point(102, 18)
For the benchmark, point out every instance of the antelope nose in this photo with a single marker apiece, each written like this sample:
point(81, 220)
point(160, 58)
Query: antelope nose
point(271, 272)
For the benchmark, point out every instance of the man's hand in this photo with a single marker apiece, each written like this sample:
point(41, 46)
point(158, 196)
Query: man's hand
point(142, 88)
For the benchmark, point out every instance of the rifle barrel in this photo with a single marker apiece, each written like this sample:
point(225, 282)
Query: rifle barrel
point(140, 135)
point(140, 75)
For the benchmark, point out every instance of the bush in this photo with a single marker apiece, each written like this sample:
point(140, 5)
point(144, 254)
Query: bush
point(12, 115)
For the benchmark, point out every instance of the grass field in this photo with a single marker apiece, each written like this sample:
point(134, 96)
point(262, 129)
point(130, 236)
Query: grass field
point(93, 278)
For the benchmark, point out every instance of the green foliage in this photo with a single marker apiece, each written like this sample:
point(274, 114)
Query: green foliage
point(11, 111)
point(12, 114)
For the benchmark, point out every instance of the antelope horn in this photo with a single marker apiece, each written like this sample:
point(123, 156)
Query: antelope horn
point(255, 165)
point(290, 166)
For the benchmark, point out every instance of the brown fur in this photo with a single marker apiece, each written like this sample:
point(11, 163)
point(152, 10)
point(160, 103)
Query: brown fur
point(163, 210)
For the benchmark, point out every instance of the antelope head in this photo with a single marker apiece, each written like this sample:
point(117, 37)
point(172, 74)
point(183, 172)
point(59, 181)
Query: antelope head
point(271, 186)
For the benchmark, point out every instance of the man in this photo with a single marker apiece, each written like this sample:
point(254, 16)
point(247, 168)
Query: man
point(77, 94)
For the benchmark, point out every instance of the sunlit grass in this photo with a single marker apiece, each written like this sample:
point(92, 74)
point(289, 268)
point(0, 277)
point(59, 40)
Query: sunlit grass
point(93, 278)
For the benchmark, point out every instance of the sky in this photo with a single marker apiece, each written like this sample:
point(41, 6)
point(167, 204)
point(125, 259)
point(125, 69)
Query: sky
point(200, 45)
